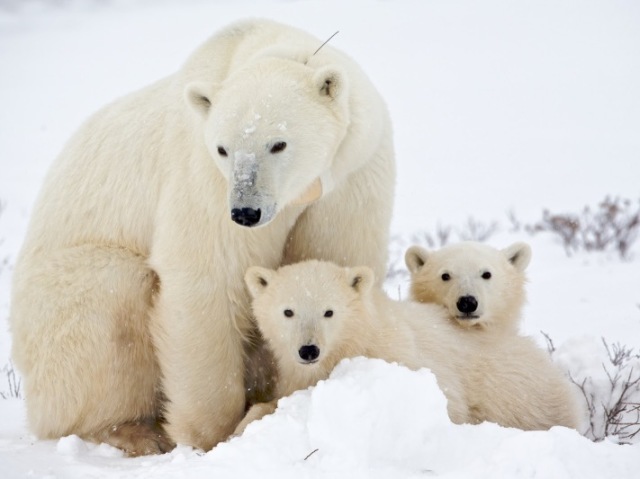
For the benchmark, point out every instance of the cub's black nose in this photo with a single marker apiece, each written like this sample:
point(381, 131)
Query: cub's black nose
point(467, 304)
point(309, 352)
point(245, 216)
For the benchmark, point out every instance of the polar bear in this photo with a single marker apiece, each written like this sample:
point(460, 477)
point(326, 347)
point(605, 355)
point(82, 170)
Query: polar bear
point(314, 314)
point(128, 305)
point(481, 287)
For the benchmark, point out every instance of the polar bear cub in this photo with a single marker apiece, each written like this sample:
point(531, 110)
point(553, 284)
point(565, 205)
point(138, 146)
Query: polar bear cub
point(481, 287)
point(314, 314)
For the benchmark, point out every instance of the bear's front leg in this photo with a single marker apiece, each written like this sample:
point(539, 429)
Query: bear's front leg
point(200, 355)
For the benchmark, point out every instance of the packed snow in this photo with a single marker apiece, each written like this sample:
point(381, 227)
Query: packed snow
point(501, 109)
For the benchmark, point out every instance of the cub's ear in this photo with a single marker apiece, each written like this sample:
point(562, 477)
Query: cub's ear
point(518, 254)
point(331, 82)
point(415, 258)
point(258, 280)
point(360, 278)
point(198, 96)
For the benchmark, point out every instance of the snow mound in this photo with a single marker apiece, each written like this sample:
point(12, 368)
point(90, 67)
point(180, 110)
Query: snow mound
point(374, 419)
point(369, 416)
point(370, 419)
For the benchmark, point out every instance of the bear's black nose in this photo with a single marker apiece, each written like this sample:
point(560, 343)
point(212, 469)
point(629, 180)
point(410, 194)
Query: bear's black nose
point(467, 304)
point(309, 353)
point(245, 216)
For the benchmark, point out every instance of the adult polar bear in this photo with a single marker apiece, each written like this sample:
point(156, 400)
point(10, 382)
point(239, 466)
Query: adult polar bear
point(128, 296)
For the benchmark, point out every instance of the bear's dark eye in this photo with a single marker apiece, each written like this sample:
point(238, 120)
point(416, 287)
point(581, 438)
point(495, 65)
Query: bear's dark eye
point(486, 275)
point(288, 313)
point(278, 147)
point(222, 151)
point(328, 313)
point(445, 276)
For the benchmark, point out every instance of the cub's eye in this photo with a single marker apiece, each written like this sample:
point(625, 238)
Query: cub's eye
point(222, 151)
point(328, 313)
point(278, 147)
point(445, 276)
point(288, 313)
point(486, 275)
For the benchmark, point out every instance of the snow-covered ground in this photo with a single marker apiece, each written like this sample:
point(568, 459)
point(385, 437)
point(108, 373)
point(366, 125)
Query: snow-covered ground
point(498, 107)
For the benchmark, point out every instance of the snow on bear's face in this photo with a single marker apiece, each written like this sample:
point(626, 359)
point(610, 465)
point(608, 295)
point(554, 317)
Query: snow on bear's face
point(307, 311)
point(479, 285)
point(273, 129)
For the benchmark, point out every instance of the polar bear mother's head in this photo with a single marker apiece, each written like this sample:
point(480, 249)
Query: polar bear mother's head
point(273, 129)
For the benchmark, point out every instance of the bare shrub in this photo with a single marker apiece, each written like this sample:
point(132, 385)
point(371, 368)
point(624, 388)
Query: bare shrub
point(474, 230)
point(14, 383)
point(471, 230)
point(613, 225)
point(13, 380)
point(438, 239)
point(396, 269)
point(612, 397)
point(3, 261)
point(551, 348)
point(514, 222)
point(619, 354)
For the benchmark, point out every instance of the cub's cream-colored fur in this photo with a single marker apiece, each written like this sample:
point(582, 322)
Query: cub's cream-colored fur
point(128, 305)
point(313, 314)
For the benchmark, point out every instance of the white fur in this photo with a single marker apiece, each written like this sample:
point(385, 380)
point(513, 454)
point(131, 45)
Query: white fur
point(499, 298)
point(507, 380)
point(129, 285)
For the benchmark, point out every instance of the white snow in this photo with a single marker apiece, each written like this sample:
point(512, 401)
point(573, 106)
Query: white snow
point(498, 107)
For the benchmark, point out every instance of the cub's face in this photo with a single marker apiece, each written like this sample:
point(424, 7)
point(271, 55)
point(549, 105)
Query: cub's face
point(304, 310)
point(272, 130)
point(476, 283)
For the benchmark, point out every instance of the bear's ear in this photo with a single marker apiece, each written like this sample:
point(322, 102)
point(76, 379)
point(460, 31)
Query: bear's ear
point(198, 96)
point(415, 258)
point(258, 279)
point(360, 278)
point(331, 82)
point(518, 254)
